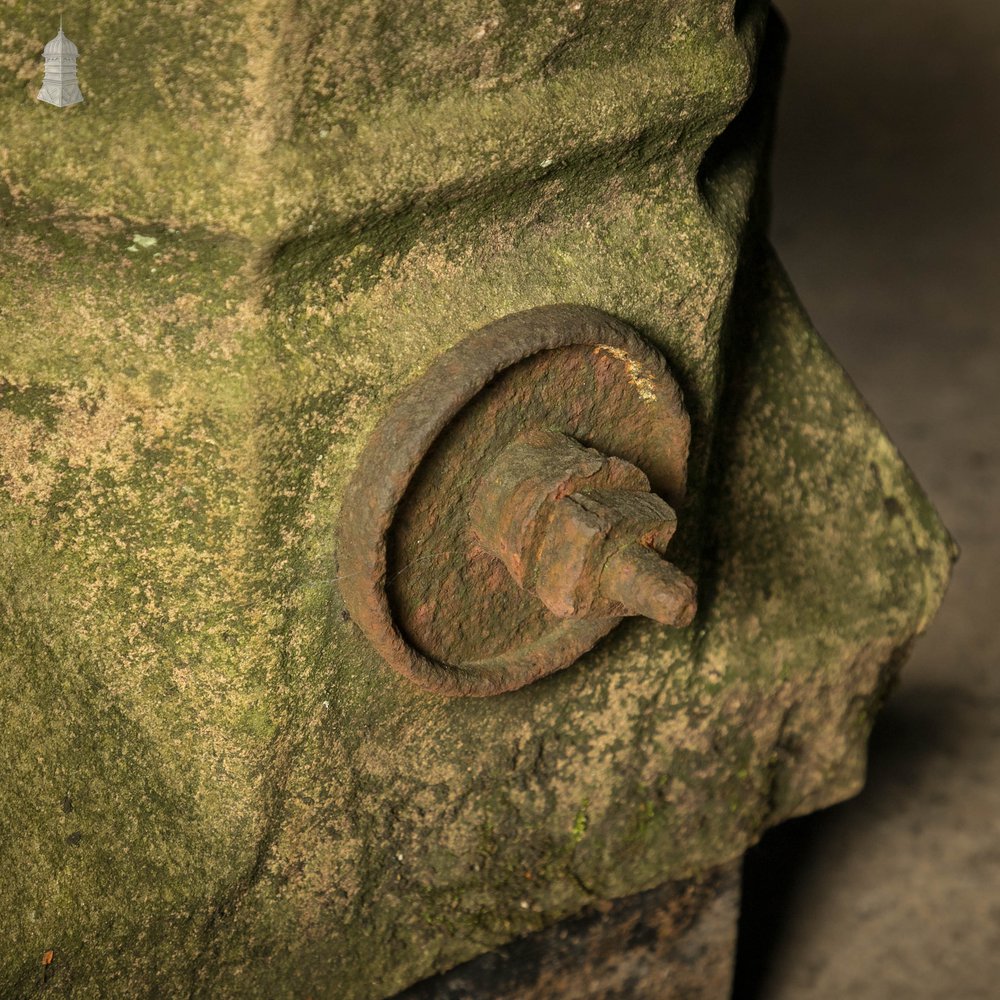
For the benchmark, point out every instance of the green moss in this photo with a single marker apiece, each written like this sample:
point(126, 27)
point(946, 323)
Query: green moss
point(580, 823)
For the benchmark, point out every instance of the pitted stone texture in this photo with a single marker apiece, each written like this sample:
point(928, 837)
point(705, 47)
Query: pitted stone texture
point(258, 807)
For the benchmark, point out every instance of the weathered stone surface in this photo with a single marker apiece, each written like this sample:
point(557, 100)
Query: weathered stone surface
point(209, 783)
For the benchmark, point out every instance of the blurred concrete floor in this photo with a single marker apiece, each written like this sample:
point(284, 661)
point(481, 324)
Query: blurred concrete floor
point(887, 216)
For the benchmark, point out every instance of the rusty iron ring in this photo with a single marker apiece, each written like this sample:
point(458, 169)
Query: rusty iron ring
point(415, 418)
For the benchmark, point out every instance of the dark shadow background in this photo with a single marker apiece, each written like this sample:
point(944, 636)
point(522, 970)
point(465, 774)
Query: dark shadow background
point(887, 216)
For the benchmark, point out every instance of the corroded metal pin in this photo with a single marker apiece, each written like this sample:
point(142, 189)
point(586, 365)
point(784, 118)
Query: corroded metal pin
point(581, 531)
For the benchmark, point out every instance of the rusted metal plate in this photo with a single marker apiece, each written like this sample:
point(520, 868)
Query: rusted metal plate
point(438, 606)
point(674, 942)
